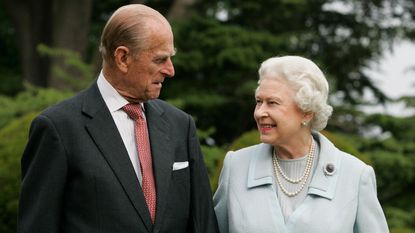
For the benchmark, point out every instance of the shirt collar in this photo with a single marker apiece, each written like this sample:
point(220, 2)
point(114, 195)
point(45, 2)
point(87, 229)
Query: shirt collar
point(112, 98)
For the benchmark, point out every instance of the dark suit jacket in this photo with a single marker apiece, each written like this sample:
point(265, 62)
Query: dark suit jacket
point(77, 176)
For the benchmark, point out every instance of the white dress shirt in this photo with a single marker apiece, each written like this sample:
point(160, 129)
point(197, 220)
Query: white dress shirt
point(125, 125)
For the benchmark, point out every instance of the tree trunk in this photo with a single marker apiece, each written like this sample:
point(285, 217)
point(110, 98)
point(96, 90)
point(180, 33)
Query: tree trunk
point(58, 24)
point(71, 24)
point(32, 24)
point(55, 23)
point(179, 9)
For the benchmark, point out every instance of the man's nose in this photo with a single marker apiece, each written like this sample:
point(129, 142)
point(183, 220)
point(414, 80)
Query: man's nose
point(169, 69)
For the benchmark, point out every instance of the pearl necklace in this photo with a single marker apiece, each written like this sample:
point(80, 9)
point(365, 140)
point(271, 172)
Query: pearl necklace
point(302, 179)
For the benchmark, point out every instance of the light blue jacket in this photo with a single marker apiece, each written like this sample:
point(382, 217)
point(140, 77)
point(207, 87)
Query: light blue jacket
point(342, 202)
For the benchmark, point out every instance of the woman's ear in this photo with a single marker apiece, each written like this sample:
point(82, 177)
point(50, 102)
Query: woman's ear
point(308, 116)
point(122, 58)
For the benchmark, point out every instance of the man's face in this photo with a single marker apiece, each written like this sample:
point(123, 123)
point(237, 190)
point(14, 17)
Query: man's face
point(147, 69)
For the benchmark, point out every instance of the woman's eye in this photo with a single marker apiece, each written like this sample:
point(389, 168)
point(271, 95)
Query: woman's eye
point(274, 103)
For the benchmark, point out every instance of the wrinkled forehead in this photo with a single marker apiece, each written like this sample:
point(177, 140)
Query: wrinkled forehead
point(273, 85)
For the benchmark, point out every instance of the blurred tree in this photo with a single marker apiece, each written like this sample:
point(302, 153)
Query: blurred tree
point(60, 24)
point(12, 142)
point(71, 25)
point(9, 61)
point(16, 115)
point(221, 44)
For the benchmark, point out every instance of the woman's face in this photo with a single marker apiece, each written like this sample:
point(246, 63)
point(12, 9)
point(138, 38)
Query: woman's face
point(277, 116)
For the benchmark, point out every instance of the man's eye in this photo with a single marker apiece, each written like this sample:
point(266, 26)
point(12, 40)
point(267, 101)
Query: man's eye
point(160, 60)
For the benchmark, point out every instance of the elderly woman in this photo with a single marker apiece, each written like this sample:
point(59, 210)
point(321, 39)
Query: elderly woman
point(296, 180)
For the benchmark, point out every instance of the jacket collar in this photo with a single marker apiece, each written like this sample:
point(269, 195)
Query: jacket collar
point(260, 167)
point(324, 180)
point(323, 183)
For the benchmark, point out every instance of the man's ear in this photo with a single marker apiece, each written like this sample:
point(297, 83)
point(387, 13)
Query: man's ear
point(122, 58)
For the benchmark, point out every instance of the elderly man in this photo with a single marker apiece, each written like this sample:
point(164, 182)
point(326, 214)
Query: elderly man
point(114, 158)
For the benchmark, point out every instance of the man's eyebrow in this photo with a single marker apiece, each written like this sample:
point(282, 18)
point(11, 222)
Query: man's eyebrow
point(170, 54)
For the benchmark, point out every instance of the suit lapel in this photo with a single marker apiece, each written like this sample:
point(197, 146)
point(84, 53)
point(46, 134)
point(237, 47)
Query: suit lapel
point(161, 151)
point(104, 132)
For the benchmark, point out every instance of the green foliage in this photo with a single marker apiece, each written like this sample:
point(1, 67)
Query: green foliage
point(400, 221)
point(408, 100)
point(220, 61)
point(341, 39)
point(249, 138)
point(33, 99)
point(394, 171)
point(216, 74)
point(387, 143)
point(71, 61)
point(13, 138)
point(214, 156)
point(348, 144)
point(16, 115)
point(401, 128)
point(392, 151)
point(207, 100)
point(221, 45)
point(10, 79)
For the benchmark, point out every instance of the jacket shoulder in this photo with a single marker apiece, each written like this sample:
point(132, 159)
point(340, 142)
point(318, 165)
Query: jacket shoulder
point(63, 107)
point(247, 153)
point(348, 160)
point(164, 106)
point(352, 162)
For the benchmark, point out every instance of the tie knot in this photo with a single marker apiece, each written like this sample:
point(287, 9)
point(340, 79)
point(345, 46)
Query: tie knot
point(134, 111)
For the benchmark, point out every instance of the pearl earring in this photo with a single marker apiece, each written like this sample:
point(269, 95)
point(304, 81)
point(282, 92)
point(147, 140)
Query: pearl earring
point(304, 123)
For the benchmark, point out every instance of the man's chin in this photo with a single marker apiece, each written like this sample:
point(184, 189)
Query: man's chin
point(152, 96)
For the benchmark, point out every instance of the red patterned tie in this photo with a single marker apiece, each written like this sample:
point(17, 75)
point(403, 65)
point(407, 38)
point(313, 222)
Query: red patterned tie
point(135, 112)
